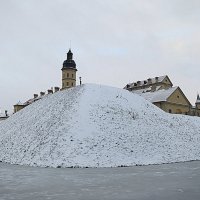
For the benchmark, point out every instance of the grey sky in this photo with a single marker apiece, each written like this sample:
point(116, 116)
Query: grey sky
point(114, 42)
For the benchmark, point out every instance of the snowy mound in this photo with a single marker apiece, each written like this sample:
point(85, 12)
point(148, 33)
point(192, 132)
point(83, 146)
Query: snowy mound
point(97, 126)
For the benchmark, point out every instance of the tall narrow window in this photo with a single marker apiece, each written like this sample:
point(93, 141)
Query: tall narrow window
point(72, 84)
point(67, 75)
point(170, 111)
point(72, 75)
point(67, 83)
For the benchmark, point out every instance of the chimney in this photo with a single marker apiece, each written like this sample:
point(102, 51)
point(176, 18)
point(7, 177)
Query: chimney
point(35, 96)
point(56, 89)
point(156, 78)
point(138, 82)
point(153, 88)
point(42, 93)
point(50, 91)
point(149, 81)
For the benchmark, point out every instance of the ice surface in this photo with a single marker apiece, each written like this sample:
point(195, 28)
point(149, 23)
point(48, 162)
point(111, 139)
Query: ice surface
point(97, 126)
point(178, 181)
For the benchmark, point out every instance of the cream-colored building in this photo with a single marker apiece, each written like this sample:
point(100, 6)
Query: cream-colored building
point(69, 72)
point(160, 92)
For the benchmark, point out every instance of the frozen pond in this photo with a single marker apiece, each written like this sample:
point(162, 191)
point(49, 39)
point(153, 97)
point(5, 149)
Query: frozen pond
point(169, 181)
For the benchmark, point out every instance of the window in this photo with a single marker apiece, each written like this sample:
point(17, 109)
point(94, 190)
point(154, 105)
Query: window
point(72, 75)
point(67, 75)
point(170, 111)
point(178, 97)
point(67, 83)
point(72, 84)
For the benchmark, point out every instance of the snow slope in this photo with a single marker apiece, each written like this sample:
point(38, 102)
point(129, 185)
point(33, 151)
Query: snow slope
point(97, 126)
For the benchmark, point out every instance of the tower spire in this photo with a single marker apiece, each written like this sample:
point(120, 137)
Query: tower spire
point(198, 97)
point(69, 55)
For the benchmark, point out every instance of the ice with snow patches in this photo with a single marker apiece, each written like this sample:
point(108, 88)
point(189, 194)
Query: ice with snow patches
point(97, 126)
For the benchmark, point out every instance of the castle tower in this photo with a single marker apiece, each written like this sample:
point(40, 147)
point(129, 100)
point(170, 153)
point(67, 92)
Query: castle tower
point(198, 102)
point(69, 71)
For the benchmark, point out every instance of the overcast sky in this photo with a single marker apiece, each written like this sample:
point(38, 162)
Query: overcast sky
point(114, 42)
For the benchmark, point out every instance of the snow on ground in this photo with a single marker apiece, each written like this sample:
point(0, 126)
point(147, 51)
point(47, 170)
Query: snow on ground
point(97, 126)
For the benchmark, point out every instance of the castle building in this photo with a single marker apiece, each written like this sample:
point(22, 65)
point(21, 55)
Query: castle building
point(160, 92)
point(69, 72)
point(68, 80)
point(36, 97)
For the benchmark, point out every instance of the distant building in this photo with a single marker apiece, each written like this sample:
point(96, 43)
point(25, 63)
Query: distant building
point(4, 116)
point(160, 92)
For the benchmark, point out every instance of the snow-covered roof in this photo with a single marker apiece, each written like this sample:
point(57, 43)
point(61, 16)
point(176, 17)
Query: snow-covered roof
point(156, 96)
point(198, 99)
point(19, 103)
point(30, 101)
point(2, 115)
point(151, 80)
point(149, 89)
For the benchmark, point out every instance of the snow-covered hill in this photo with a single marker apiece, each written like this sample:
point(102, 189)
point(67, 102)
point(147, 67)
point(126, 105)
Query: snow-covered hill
point(97, 126)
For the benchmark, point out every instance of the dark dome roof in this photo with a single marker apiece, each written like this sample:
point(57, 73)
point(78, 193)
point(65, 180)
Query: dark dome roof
point(69, 63)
